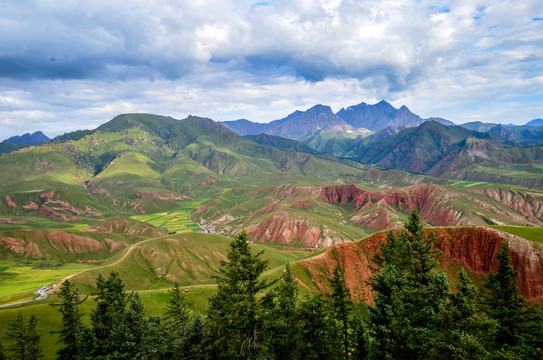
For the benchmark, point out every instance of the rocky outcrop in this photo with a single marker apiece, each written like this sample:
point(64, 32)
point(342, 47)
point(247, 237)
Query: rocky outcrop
point(10, 221)
point(10, 203)
point(122, 225)
point(161, 196)
point(31, 206)
point(529, 205)
point(475, 248)
point(47, 244)
point(48, 212)
point(430, 201)
point(282, 229)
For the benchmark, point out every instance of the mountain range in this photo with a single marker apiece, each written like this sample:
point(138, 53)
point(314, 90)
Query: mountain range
point(320, 117)
point(140, 164)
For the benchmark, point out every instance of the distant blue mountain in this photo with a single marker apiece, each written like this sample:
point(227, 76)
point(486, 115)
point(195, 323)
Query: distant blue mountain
point(383, 115)
point(30, 139)
point(535, 122)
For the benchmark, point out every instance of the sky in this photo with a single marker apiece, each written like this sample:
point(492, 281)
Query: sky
point(68, 65)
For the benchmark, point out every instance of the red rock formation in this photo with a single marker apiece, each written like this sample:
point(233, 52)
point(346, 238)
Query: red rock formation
point(529, 205)
point(282, 229)
point(88, 212)
point(10, 203)
point(428, 199)
point(65, 242)
point(48, 212)
point(167, 196)
point(475, 248)
point(47, 196)
point(7, 220)
point(379, 219)
point(31, 206)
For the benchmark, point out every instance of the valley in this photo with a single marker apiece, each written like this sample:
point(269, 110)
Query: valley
point(158, 200)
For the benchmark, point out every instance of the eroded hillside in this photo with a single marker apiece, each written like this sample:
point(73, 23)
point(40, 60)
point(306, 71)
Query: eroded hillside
point(474, 248)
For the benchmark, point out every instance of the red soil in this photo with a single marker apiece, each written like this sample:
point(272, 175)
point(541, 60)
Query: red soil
point(428, 199)
point(475, 248)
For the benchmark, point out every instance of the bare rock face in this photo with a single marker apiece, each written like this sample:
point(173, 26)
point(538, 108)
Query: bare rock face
point(166, 196)
point(31, 206)
point(282, 229)
point(529, 205)
point(10, 203)
point(475, 248)
point(8, 220)
point(428, 199)
point(48, 212)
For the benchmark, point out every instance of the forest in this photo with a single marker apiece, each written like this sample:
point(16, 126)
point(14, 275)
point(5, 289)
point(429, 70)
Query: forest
point(416, 313)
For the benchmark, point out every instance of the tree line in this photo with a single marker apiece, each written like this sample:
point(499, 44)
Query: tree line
point(416, 314)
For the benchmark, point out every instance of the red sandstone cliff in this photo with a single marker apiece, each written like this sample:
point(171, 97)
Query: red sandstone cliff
point(475, 248)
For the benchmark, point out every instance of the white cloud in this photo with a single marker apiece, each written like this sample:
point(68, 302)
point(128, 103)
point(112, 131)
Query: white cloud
point(262, 60)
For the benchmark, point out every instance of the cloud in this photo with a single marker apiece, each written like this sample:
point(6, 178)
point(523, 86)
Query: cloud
point(264, 59)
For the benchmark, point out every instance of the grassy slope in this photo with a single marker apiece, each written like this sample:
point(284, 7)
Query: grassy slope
point(187, 258)
point(528, 232)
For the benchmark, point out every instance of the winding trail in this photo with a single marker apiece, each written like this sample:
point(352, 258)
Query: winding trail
point(43, 292)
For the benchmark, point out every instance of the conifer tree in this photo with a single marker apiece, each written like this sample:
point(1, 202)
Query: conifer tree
point(463, 330)
point(71, 332)
point(410, 294)
point(111, 301)
point(281, 332)
point(520, 324)
point(34, 350)
point(192, 346)
point(177, 311)
point(158, 343)
point(2, 353)
point(317, 333)
point(130, 329)
point(235, 315)
point(360, 341)
point(23, 339)
point(342, 305)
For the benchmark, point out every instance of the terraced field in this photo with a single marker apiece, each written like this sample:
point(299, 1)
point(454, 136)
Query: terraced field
point(174, 221)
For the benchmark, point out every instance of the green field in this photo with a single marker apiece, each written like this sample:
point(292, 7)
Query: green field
point(19, 280)
point(49, 319)
point(533, 233)
point(174, 221)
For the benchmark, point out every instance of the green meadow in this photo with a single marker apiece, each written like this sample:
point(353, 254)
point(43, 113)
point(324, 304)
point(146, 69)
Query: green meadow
point(19, 280)
point(534, 233)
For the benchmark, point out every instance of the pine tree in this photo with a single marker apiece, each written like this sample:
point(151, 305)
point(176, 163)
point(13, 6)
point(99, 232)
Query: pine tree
point(111, 302)
point(463, 330)
point(342, 305)
point(235, 314)
point(317, 333)
point(70, 335)
point(2, 353)
point(281, 334)
point(34, 350)
point(177, 311)
point(410, 294)
point(23, 340)
point(130, 329)
point(193, 341)
point(16, 338)
point(360, 340)
point(520, 325)
point(158, 343)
